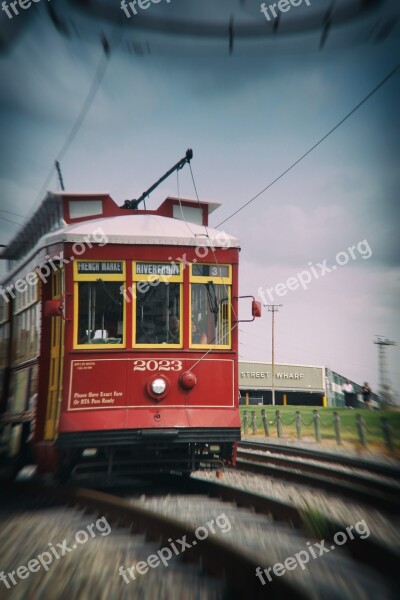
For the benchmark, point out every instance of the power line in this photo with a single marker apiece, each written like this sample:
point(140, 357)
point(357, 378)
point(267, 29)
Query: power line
point(12, 213)
point(97, 80)
point(367, 97)
point(9, 221)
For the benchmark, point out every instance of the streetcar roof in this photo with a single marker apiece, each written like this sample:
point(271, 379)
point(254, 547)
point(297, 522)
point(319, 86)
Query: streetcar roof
point(63, 213)
point(142, 229)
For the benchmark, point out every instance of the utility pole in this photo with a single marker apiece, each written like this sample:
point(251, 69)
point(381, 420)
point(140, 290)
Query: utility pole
point(273, 308)
point(384, 380)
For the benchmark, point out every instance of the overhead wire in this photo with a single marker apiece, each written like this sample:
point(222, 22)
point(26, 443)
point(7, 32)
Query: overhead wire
point(310, 150)
point(303, 156)
point(87, 104)
point(189, 228)
point(10, 212)
point(210, 245)
point(210, 242)
point(10, 221)
point(194, 235)
point(347, 116)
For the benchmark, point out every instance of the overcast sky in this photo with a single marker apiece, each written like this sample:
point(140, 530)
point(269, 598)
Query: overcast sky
point(248, 117)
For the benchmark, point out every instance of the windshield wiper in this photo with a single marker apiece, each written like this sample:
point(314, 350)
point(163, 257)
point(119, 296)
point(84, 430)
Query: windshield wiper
point(107, 291)
point(212, 300)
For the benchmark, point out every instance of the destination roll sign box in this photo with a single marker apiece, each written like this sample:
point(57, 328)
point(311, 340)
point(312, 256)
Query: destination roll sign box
point(101, 267)
point(157, 269)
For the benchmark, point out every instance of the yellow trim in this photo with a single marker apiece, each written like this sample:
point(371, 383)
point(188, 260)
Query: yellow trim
point(229, 322)
point(158, 346)
point(104, 276)
point(75, 320)
point(76, 312)
point(54, 392)
point(152, 278)
point(214, 278)
point(208, 346)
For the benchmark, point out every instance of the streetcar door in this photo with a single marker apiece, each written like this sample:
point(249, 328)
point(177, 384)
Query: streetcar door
point(54, 392)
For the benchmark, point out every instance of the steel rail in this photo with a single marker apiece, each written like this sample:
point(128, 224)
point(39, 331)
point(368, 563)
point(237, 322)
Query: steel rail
point(368, 551)
point(376, 499)
point(354, 478)
point(219, 559)
point(329, 457)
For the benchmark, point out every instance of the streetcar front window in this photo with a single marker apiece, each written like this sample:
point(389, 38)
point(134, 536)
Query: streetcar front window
point(100, 317)
point(158, 313)
point(210, 293)
point(210, 321)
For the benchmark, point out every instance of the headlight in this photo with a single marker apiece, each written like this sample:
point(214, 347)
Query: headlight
point(89, 452)
point(158, 386)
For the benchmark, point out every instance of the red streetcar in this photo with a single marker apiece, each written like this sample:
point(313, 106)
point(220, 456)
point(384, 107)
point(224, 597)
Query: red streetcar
point(118, 341)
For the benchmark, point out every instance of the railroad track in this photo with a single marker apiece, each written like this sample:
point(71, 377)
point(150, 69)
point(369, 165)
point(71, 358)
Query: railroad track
point(265, 459)
point(369, 551)
point(345, 461)
point(235, 565)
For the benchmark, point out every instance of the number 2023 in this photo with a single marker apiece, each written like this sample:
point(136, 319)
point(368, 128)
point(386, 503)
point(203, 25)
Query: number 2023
point(157, 365)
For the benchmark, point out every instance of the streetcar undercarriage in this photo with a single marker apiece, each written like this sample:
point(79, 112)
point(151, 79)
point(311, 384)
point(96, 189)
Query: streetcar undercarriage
point(89, 454)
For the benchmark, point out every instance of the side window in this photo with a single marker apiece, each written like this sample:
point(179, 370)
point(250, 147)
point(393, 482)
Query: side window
point(157, 304)
point(99, 303)
point(210, 300)
point(26, 324)
point(4, 335)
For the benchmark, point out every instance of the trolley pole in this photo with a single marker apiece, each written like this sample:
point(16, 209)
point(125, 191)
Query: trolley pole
point(273, 308)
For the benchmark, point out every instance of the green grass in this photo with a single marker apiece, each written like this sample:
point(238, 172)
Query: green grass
point(316, 523)
point(375, 439)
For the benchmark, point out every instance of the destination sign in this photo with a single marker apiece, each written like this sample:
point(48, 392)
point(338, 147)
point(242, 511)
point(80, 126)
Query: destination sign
point(201, 270)
point(102, 267)
point(157, 269)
